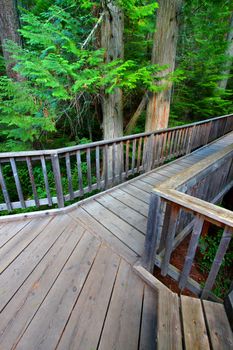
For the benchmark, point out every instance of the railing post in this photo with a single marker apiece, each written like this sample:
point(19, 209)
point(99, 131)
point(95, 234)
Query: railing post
point(190, 139)
point(57, 178)
point(154, 228)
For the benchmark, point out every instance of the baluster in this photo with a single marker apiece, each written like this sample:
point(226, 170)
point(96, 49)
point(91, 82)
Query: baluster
point(57, 178)
point(224, 243)
point(197, 229)
point(17, 182)
point(4, 190)
point(46, 182)
point(127, 159)
point(173, 222)
point(97, 165)
point(88, 158)
point(32, 180)
point(139, 154)
point(80, 175)
point(69, 176)
point(105, 167)
point(133, 155)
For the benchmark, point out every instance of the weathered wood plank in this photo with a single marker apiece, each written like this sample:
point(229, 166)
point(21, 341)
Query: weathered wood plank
point(45, 329)
point(9, 230)
point(195, 334)
point(57, 178)
point(124, 314)
point(219, 329)
point(69, 176)
point(80, 175)
point(169, 335)
point(4, 190)
point(149, 319)
point(89, 179)
point(20, 311)
point(97, 165)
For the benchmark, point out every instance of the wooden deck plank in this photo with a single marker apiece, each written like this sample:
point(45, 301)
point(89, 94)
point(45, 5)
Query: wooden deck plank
point(195, 334)
point(122, 325)
point(131, 201)
point(13, 277)
point(126, 233)
point(218, 326)
point(18, 243)
point(143, 186)
point(81, 216)
point(137, 193)
point(19, 312)
point(85, 324)
point(124, 212)
point(169, 335)
point(9, 230)
point(149, 319)
point(45, 329)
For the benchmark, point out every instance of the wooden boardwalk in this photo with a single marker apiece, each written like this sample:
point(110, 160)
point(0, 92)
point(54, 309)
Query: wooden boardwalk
point(69, 281)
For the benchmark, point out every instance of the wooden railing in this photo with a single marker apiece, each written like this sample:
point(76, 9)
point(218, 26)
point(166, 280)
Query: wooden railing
point(184, 205)
point(72, 172)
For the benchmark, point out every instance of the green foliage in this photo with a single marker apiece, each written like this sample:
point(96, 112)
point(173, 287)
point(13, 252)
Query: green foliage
point(208, 246)
point(201, 55)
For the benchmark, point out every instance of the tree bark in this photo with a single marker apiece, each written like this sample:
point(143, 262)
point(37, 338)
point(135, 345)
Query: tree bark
point(112, 106)
point(133, 121)
point(163, 53)
point(9, 25)
point(229, 53)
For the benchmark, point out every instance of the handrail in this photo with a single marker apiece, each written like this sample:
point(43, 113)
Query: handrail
point(59, 176)
point(188, 198)
point(106, 142)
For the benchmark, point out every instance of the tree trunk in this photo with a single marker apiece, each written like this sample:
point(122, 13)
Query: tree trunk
point(229, 53)
point(112, 106)
point(9, 25)
point(163, 53)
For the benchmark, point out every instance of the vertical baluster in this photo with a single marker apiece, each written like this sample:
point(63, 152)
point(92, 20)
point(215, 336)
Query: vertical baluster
point(155, 220)
point(57, 178)
point(121, 170)
point(114, 161)
point(127, 159)
point(223, 245)
point(173, 222)
point(88, 158)
point(139, 154)
point(172, 143)
point(32, 180)
point(105, 167)
point(197, 229)
point(4, 190)
point(17, 182)
point(46, 182)
point(97, 165)
point(69, 176)
point(80, 175)
point(133, 155)
point(164, 147)
point(168, 145)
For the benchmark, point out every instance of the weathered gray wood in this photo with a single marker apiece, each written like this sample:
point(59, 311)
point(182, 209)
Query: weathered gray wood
point(197, 229)
point(97, 165)
point(57, 178)
point(80, 176)
point(133, 155)
point(127, 158)
point(173, 222)
point(154, 228)
point(69, 176)
point(89, 179)
point(139, 154)
point(32, 180)
point(124, 314)
point(45, 329)
point(149, 320)
point(4, 190)
point(105, 166)
point(220, 333)
point(218, 259)
point(17, 182)
point(195, 334)
point(169, 335)
point(46, 181)
point(9, 230)
point(20, 311)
